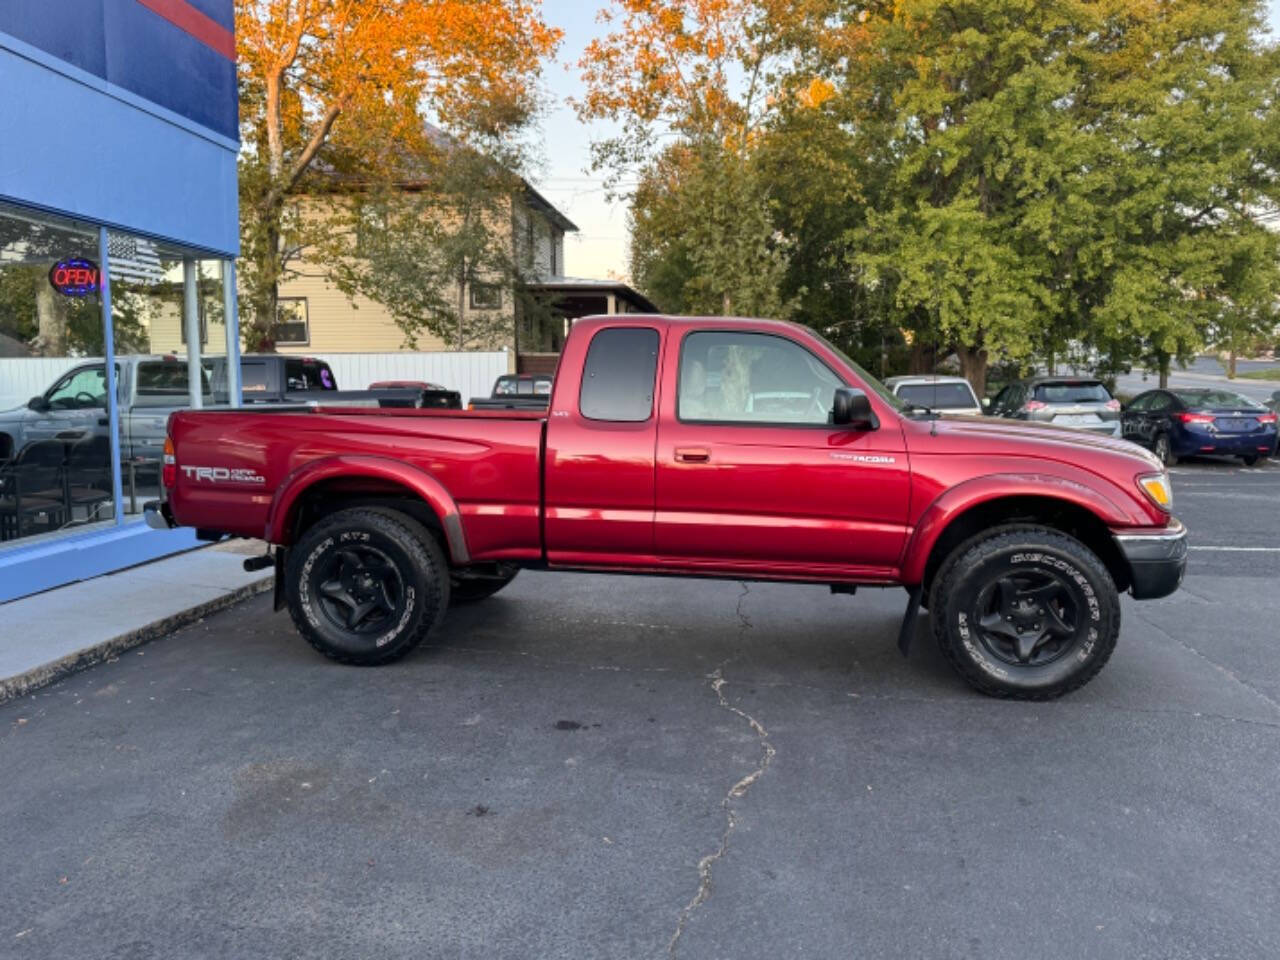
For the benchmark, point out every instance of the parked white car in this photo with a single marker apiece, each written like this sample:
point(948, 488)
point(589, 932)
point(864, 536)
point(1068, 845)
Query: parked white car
point(944, 394)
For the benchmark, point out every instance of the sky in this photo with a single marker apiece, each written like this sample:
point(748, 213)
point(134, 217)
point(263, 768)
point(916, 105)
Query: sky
point(599, 248)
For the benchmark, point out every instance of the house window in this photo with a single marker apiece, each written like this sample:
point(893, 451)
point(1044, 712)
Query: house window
point(292, 326)
point(486, 296)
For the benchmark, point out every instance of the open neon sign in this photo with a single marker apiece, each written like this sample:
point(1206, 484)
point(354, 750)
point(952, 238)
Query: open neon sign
point(75, 277)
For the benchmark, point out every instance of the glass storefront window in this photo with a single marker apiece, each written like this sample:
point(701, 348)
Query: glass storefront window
point(55, 449)
point(148, 308)
point(56, 470)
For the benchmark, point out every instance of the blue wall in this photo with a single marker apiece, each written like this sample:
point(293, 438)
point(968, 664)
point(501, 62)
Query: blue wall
point(110, 112)
point(136, 49)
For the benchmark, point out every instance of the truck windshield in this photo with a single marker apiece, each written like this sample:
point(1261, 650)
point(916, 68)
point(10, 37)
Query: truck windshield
point(872, 383)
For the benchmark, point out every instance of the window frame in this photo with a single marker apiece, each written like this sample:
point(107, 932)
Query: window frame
point(770, 424)
point(657, 365)
point(476, 286)
point(306, 321)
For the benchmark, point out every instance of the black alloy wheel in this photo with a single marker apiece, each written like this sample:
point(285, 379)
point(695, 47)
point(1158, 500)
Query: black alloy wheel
point(366, 585)
point(360, 589)
point(1029, 619)
point(1025, 611)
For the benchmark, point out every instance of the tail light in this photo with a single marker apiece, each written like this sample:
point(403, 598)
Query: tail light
point(1112, 405)
point(1196, 417)
point(169, 468)
point(1266, 418)
point(1033, 405)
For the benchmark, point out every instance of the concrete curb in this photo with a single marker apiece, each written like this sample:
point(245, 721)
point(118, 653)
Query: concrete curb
point(23, 683)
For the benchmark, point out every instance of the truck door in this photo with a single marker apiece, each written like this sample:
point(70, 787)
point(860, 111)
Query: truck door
point(598, 468)
point(75, 405)
point(750, 473)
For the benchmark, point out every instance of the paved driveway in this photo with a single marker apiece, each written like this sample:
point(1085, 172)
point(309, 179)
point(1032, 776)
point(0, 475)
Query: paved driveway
point(610, 767)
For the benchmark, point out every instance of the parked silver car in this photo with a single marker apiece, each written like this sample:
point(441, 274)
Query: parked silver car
point(1078, 402)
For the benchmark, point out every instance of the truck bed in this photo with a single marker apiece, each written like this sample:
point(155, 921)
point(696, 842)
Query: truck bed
point(242, 486)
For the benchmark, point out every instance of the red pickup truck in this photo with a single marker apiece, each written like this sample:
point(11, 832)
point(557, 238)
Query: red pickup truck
point(744, 449)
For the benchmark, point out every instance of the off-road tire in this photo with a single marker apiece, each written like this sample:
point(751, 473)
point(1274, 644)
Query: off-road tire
point(403, 547)
point(1024, 551)
point(475, 589)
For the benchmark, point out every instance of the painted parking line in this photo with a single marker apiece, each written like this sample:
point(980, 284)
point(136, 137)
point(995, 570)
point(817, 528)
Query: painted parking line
point(1198, 546)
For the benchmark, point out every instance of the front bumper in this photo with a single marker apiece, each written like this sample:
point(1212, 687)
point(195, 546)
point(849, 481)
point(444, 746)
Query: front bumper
point(157, 515)
point(1157, 560)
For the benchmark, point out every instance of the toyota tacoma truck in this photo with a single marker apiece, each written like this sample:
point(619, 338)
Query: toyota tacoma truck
point(728, 448)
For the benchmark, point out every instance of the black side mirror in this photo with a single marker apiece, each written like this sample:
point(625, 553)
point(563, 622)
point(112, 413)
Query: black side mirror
point(38, 404)
point(852, 408)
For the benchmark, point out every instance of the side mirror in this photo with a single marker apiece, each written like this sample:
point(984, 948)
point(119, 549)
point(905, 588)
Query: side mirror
point(38, 404)
point(986, 403)
point(852, 408)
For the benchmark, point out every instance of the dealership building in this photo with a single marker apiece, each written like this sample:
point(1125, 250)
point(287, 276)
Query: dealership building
point(118, 147)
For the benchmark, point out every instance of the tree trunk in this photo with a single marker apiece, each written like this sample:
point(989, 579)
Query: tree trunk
point(1231, 363)
point(922, 357)
point(973, 364)
point(462, 303)
point(1050, 363)
point(260, 337)
point(51, 314)
point(1163, 360)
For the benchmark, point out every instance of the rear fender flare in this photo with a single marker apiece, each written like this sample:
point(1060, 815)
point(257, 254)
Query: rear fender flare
point(959, 499)
point(284, 504)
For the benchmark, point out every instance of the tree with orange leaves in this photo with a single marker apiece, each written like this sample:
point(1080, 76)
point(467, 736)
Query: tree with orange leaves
point(345, 86)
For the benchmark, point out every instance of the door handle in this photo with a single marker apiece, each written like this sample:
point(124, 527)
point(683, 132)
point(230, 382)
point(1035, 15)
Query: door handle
point(693, 455)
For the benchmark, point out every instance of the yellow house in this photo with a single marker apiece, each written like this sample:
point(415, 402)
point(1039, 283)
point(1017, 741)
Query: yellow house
point(315, 317)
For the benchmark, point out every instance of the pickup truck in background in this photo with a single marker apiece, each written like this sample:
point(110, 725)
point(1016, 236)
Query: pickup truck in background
point(280, 378)
point(731, 448)
point(149, 388)
point(516, 391)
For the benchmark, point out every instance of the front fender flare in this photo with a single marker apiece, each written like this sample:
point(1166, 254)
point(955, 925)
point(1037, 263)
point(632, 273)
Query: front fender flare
point(953, 502)
point(284, 504)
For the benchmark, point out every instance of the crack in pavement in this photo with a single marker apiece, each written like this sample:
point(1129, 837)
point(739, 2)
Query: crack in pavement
point(736, 792)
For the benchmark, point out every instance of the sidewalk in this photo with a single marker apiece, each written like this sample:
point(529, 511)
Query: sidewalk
point(47, 636)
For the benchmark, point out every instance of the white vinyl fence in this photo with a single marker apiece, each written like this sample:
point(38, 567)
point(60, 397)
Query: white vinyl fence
point(471, 374)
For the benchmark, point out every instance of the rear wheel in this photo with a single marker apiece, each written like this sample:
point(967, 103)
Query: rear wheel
point(1250, 459)
point(1164, 450)
point(365, 585)
point(1025, 612)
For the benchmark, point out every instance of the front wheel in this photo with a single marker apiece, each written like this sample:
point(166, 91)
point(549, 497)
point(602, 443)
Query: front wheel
point(1025, 612)
point(366, 585)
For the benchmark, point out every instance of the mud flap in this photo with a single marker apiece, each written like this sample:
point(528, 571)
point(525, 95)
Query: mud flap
point(908, 628)
point(278, 598)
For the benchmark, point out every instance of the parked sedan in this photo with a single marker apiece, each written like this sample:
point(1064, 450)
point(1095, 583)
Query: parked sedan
point(1180, 423)
point(944, 394)
point(1065, 401)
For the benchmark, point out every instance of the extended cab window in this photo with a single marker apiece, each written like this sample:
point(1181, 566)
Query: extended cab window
point(752, 378)
point(618, 376)
point(164, 382)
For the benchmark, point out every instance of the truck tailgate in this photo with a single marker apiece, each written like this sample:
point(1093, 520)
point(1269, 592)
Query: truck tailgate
point(236, 468)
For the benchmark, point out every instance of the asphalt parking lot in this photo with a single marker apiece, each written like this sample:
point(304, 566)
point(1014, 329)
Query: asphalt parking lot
point(630, 767)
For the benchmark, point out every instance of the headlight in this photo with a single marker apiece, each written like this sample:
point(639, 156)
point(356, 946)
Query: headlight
point(1156, 487)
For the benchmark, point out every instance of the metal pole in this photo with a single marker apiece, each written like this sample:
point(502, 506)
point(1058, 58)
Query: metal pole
point(109, 358)
point(191, 323)
point(231, 317)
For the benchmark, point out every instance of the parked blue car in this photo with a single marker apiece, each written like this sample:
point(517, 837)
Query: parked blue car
point(1182, 423)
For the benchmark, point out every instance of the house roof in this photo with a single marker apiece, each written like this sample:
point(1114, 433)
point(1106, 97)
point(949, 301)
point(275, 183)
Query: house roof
point(586, 285)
